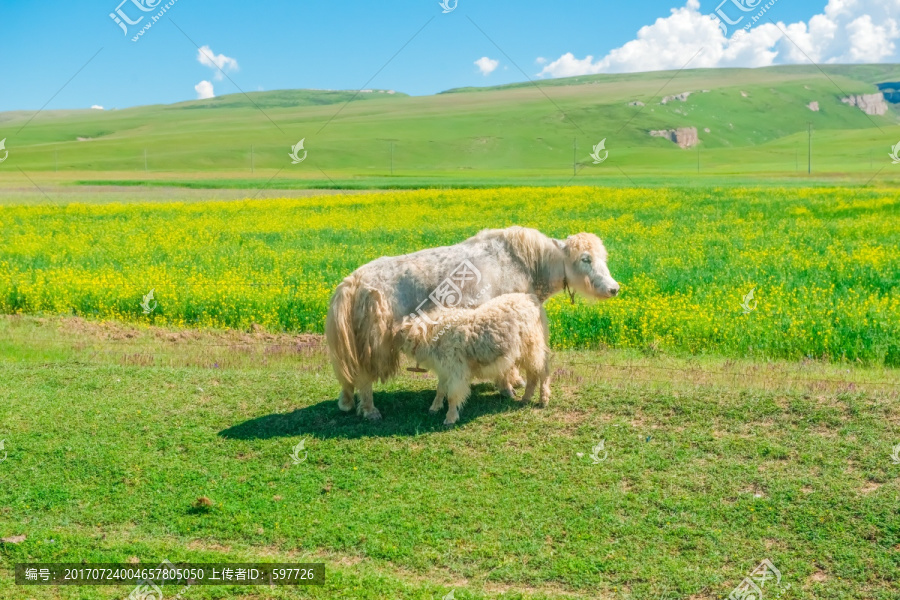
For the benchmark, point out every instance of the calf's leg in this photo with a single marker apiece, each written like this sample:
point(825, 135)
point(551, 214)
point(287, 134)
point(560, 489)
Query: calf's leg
point(530, 384)
point(506, 384)
point(457, 391)
point(438, 403)
point(346, 401)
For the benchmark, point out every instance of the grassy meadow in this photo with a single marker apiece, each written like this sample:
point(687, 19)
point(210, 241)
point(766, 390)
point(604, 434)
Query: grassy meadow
point(114, 431)
point(823, 263)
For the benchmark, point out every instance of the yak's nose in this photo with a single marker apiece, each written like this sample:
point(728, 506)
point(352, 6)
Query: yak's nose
point(614, 291)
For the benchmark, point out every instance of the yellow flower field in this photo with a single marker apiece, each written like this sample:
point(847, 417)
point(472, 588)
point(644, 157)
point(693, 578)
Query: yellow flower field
point(823, 263)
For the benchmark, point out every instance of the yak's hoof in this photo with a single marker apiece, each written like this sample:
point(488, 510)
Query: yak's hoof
point(508, 392)
point(373, 415)
point(346, 405)
point(519, 383)
point(434, 410)
point(449, 424)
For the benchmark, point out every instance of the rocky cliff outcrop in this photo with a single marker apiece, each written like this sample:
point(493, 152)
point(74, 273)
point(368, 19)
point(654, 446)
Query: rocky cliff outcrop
point(685, 137)
point(871, 104)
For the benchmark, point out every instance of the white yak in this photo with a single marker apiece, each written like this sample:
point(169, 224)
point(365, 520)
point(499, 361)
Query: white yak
point(368, 304)
point(486, 342)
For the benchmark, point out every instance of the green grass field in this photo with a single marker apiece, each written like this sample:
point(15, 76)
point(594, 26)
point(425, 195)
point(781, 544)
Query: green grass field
point(113, 432)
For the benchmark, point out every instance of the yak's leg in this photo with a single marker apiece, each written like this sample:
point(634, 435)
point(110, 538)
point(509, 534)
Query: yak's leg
point(537, 370)
point(542, 364)
point(366, 406)
point(545, 392)
point(438, 403)
point(545, 381)
point(346, 402)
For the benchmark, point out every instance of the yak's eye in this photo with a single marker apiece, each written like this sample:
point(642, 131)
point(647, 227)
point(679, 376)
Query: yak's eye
point(586, 259)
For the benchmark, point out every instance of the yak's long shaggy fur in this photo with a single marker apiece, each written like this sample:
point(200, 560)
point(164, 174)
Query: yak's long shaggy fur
point(367, 304)
point(484, 342)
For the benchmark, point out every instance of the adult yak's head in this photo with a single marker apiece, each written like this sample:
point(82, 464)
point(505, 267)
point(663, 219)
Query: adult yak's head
point(586, 270)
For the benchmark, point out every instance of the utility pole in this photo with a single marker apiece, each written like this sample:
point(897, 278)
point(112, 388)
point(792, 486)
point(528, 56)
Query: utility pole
point(808, 147)
point(574, 156)
point(391, 140)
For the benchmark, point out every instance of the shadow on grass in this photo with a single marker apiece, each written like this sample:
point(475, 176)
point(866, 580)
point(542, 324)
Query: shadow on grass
point(404, 414)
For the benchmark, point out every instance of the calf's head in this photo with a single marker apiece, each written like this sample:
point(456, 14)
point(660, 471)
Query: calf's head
point(410, 334)
point(586, 270)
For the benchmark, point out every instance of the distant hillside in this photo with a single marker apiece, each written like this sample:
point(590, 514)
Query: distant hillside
point(865, 74)
point(287, 98)
point(712, 120)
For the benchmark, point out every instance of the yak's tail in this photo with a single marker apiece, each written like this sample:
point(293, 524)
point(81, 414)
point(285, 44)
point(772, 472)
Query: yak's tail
point(340, 331)
point(377, 351)
point(359, 330)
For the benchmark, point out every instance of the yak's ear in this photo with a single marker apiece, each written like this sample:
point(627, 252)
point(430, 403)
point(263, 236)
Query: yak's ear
point(560, 244)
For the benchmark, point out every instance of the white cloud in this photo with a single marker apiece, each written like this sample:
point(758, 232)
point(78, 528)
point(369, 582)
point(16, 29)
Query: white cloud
point(217, 62)
point(97, 107)
point(848, 31)
point(487, 65)
point(204, 90)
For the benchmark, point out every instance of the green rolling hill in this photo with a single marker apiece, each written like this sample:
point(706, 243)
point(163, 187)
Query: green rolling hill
point(751, 123)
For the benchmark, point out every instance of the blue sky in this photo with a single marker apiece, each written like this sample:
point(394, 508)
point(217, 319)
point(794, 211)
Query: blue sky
point(282, 44)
